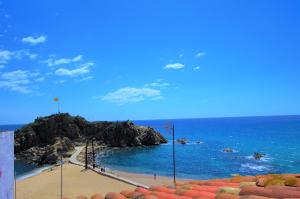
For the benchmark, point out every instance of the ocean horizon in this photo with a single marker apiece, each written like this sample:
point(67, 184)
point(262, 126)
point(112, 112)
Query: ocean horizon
point(202, 157)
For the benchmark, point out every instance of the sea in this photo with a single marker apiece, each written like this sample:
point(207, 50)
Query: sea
point(22, 168)
point(202, 157)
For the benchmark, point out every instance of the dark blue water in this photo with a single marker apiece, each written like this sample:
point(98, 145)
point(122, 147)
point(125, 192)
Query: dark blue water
point(10, 127)
point(278, 137)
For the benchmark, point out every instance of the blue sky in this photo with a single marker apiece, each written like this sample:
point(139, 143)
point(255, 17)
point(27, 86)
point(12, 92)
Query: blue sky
point(115, 60)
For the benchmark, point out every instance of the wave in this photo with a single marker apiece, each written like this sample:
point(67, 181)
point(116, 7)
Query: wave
point(194, 143)
point(254, 167)
point(263, 159)
point(170, 142)
point(32, 173)
point(233, 151)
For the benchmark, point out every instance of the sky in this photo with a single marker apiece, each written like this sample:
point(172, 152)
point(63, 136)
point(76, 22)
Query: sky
point(150, 59)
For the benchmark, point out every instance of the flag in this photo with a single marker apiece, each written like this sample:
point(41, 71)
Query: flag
point(168, 127)
point(56, 99)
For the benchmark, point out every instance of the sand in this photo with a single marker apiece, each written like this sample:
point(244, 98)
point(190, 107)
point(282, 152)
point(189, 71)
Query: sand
point(77, 181)
point(146, 179)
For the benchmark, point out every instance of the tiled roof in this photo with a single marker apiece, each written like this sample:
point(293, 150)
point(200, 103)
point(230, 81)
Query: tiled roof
point(238, 187)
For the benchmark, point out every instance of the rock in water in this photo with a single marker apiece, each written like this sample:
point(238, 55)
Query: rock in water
point(182, 140)
point(258, 156)
point(228, 150)
point(40, 141)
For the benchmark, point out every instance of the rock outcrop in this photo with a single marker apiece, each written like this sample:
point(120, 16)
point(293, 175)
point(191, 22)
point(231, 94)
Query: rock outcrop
point(228, 150)
point(258, 156)
point(182, 140)
point(42, 140)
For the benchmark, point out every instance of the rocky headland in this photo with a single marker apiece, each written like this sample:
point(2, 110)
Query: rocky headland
point(43, 140)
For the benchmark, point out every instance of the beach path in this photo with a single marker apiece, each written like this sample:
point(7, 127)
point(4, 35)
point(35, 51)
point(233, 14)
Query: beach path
point(73, 158)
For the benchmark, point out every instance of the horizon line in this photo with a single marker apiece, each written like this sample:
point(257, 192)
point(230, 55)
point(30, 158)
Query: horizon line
point(184, 118)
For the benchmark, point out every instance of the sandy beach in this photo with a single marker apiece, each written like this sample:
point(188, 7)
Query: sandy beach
point(76, 181)
point(146, 179)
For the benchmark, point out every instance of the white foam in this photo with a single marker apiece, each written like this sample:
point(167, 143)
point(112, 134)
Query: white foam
point(233, 151)
point(33, 173)
point(263, 159)
point(194, 143)
point(254, 167)
point(266, 159)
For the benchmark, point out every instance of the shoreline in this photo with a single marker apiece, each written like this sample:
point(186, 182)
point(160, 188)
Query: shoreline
point(138, 179)
point(34, 172)
point(142, 178)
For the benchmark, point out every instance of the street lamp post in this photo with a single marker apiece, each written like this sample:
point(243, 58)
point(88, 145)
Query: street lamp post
point(172, 127)
point(93, 151)
point(56, 99)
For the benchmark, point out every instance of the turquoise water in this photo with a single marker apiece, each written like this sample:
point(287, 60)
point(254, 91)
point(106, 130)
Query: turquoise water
point(277, 137)
point(22, 168)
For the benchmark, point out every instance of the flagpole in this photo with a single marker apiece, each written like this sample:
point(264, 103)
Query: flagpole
point(61, 176)
point(174, 165)
point(15, 185)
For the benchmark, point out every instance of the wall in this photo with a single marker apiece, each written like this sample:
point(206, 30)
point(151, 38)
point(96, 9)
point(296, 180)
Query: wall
point(7, 165)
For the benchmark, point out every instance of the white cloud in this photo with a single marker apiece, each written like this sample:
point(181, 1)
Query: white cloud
point(18, 85)
point(16, 81)
point(130, 94)
point(158, 83)
point(61, 61)
point(181, 55)
point(174, 66)
point(85, 79)
point(30, 55)
point(15, 75)
point(60, 82)
point(41, 79)
point(34, 40)
point(196, 68)
point(74, 72)
point(34, 74)
point(157, 98)
point(19, 80)
point(5, 56)
point(77, 58)
point(200, 54)
point(20, 54)
point(54, 62)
